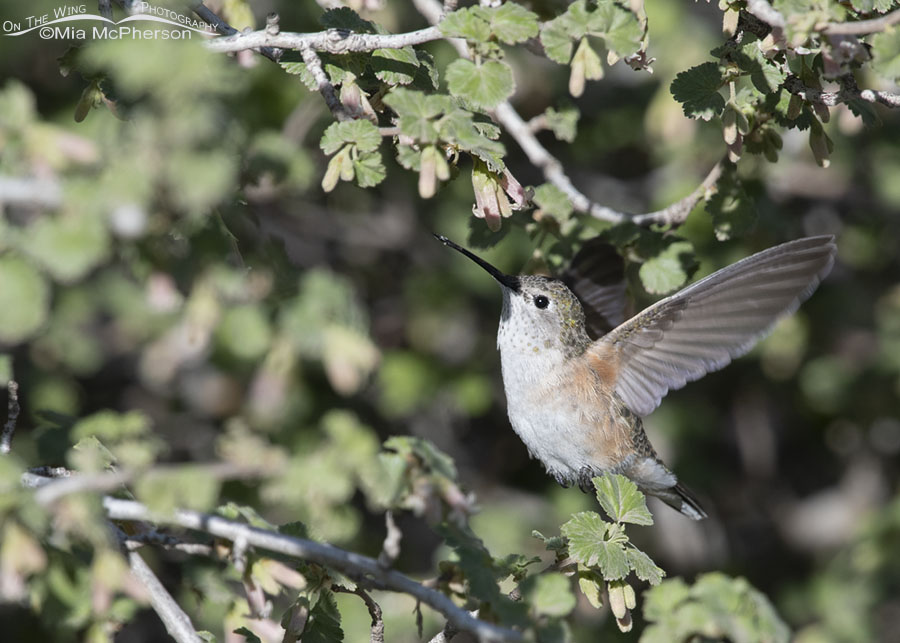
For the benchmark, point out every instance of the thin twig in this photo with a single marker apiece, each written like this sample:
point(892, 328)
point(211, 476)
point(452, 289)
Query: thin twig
point(323, 84)
point(209, 16)
point(349, 563)
point(45, 193)
point(862, 27)
point(376, 633)
point(335, 41)
point(178, 623)
point(849, 91)
point(166, 541)
point(391, 547)
point(52, 490)
point(45, 471)
point(12, 415)
point(763, 10)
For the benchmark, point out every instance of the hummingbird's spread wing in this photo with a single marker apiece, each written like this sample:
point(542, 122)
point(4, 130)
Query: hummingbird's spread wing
point(703, 327)
point(597, 277)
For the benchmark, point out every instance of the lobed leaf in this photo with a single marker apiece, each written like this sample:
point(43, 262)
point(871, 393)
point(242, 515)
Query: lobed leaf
point(593, 542)
point(549, 594)
point(731, 208)
point(24, 299)
point(361, 133)
point(621, 499)
point(886, 54)
point(697, 89)
point(483, 85)
point(668, 270)
point(512, 23)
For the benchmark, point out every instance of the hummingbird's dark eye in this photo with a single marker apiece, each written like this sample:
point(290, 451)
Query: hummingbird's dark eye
point(541, 301)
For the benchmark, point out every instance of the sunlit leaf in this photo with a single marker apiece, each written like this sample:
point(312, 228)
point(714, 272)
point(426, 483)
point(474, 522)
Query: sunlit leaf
point(24, 297)
point(697, 89)
point(485, 85)
point(621, 499)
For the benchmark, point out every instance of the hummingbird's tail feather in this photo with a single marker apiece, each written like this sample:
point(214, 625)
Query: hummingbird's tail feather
point(683, 499)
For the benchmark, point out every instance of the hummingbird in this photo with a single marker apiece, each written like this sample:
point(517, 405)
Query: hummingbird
point(579, 380)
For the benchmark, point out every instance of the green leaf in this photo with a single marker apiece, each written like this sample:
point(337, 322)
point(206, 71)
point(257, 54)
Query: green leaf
point(643, 566)
point(886, 54)
point(471, 23)
point(361, 133)
point(345, 18)
point(485, 85)
point(621, 499)
point(563, 122)
point(553, 201)
point(715, 607)
point(324, 623)
point(458, 127)
point(618, 26)
point(668, 270)
point(395, 66)
point(552, 543)
point(512, 23)
point(110, 426)
point(188, 487)
point(369, 169)
point(549, 594)
point(869, 6)
point(665, 598)
point(557, 42)
point(299, 69)
point(417, 112)
point(766, 74)
point(24, 299)
point(731, 208)
point(697, 89)
point(245, 332)
point(68, 246)
point(593, 541)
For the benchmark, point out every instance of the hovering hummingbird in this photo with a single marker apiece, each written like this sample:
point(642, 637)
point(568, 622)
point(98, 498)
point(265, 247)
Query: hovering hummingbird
point(576, 396)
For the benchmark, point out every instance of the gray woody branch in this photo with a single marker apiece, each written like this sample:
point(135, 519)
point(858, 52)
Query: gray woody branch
point(848, 91)
point(178, 623)
point(352, 564)
point(12, 414)
point(764, 10)
point(335, 41)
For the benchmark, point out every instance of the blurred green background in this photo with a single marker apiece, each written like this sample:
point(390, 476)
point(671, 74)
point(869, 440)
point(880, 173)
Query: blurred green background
point(195, 271)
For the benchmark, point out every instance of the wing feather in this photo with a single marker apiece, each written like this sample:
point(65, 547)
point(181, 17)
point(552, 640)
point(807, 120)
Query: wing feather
point(703, 327)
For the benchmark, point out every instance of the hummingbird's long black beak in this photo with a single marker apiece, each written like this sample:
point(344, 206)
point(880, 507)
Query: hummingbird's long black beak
point(510, 281)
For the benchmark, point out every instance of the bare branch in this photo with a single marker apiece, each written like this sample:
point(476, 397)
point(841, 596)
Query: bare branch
point(44, 193)
point(677, 212)
point(349, 563)
point(763, 10)
point(391, 547)
point(177, 622)
point(862, 27)
point(335, 41)
point(323, 84)
point(12, 415)
point(849, 91)
point(209, 16)
point(377, 629)
point(166, 541)
point(52, 490)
